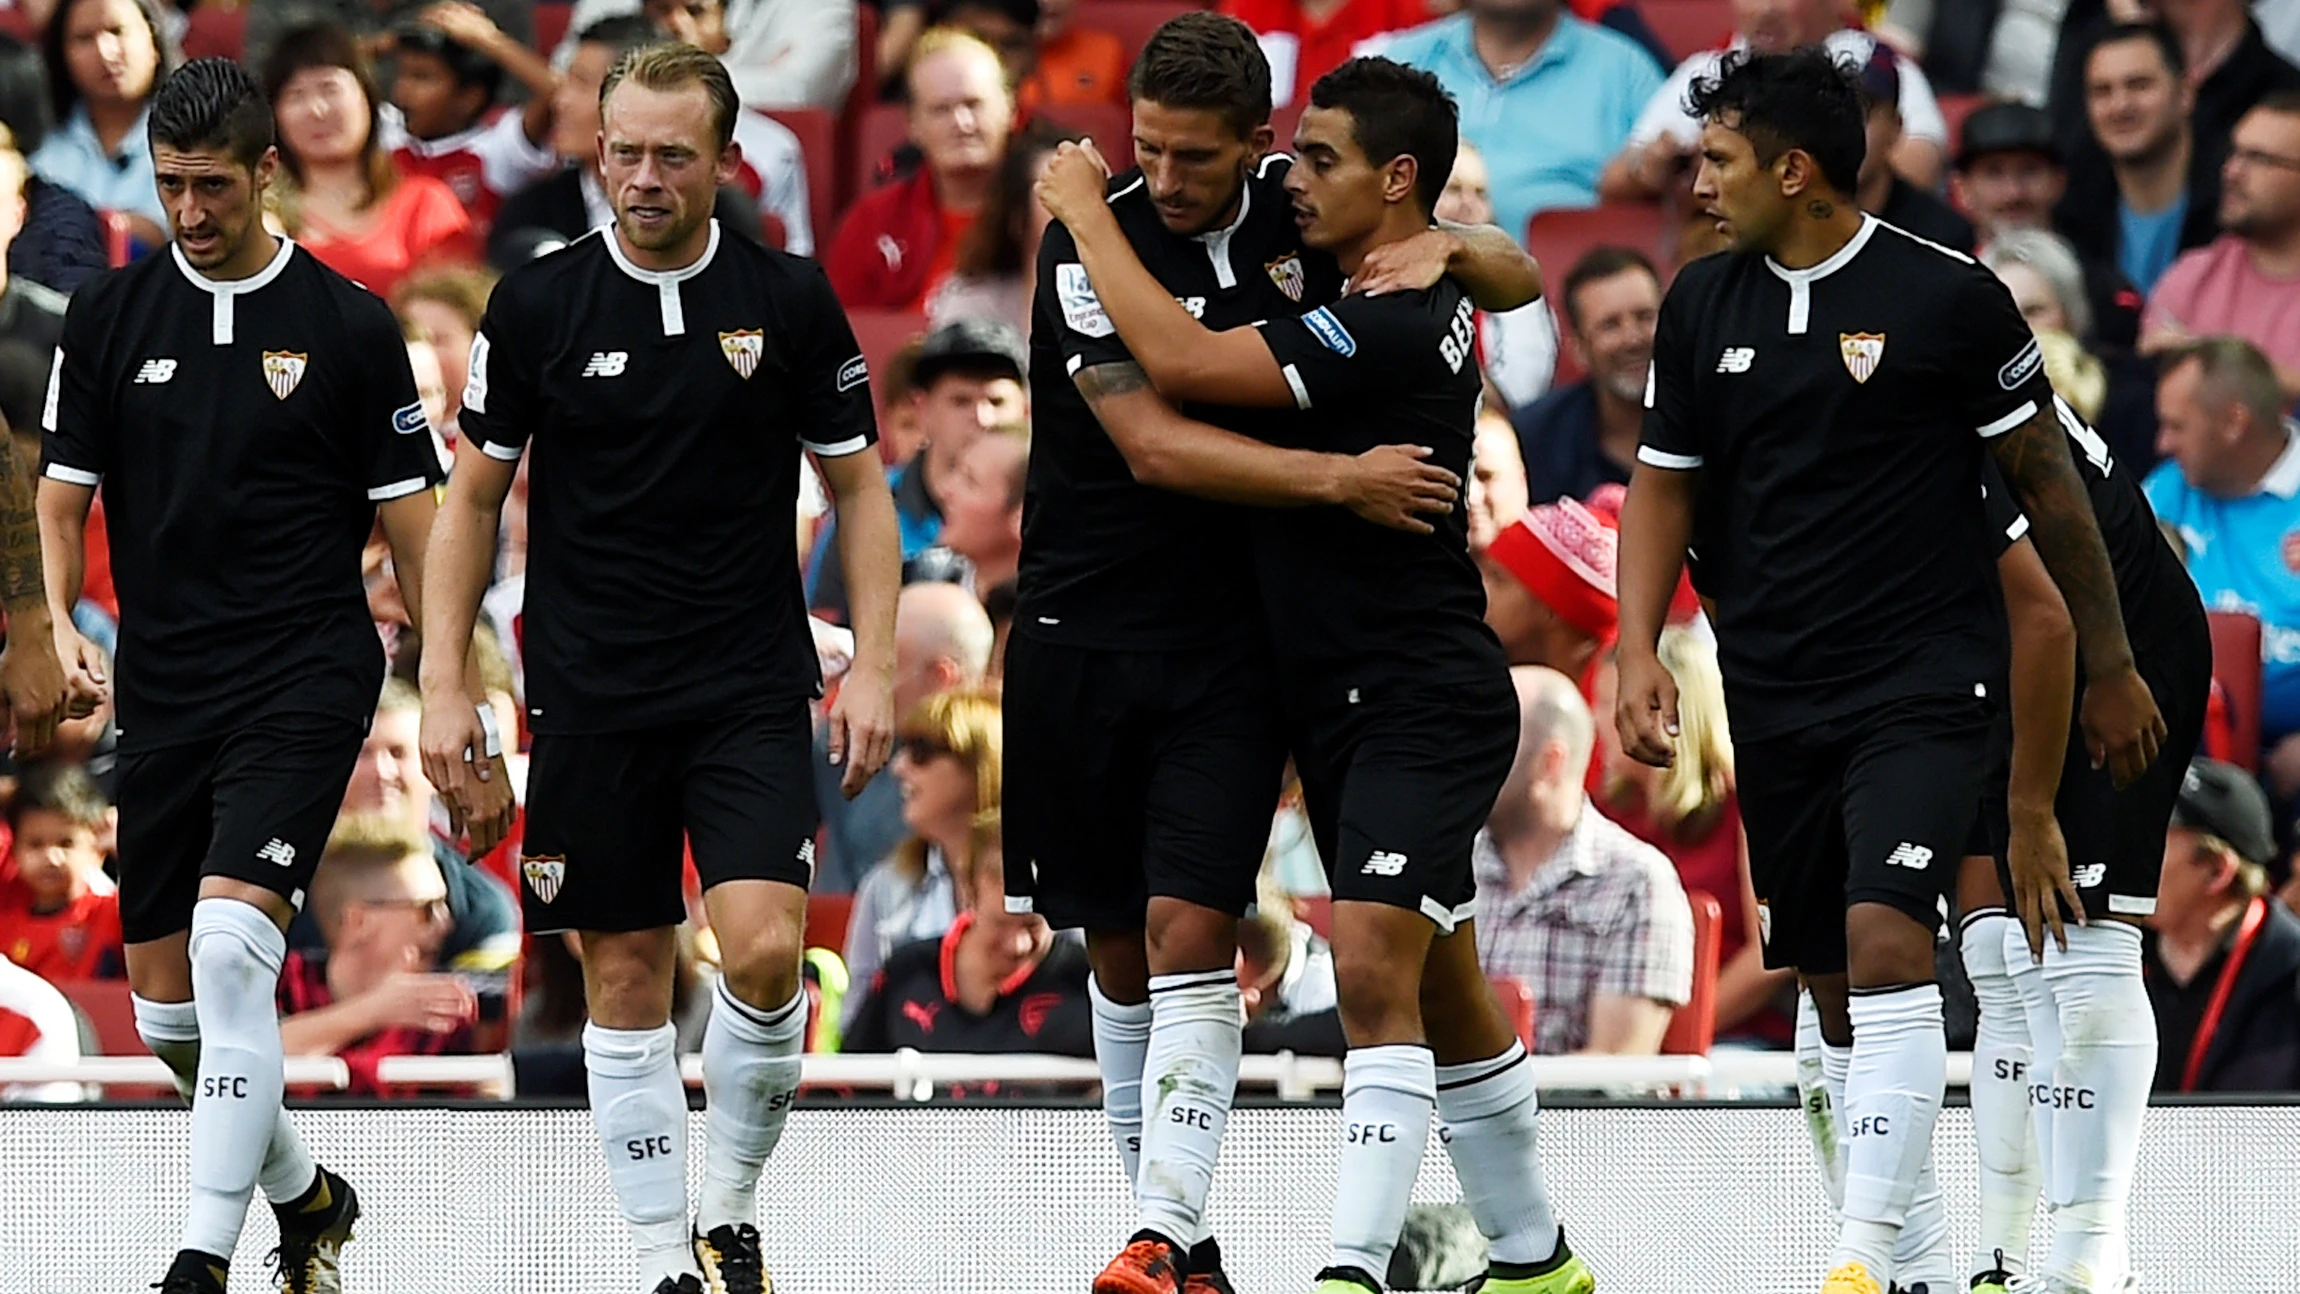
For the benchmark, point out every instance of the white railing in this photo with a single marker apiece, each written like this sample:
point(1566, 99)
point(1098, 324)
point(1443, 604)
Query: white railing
point(917, 1076)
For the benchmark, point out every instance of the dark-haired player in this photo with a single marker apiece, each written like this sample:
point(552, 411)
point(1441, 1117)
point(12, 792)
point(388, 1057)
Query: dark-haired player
point(1396, 698)
point(248, 412)
point(665, 377)
point(1146, 826)
point(1821, 401)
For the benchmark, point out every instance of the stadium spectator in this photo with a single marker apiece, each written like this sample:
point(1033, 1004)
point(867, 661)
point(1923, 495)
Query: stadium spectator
point(2246, 283)
point(967, 380)
point(995, 982)
point(1305, 39)
point(2229, 66)
point(1546, 97)
point(942, 642)
point(1691, 812)
point(1658, 157)
point(773, 168)
point(1496, 498)
point(371, 22)
point(1286, 979)
point(2004, 51)
point(1077, 62)
point(781, 53)
point(36, 1023)
point(982, 511)
point(2009, 175)
point(31, 314)
point(371, 991)
point(60, 915)
point(2110, 386)
point(445, 306)
point(1519, 347)
point(901, 432)
point(897, 243)
point(947, 763)
point(1590, 917)
point(104, 59)
point(1584, 434)
point(57, 240)
point(572, 203)
point(1881, 191)
point(2231, 490)
point(1549, 592)
point(2146, 185)
point(340, 196)
point(995, 271)
point(448, 68)
point(2222, 956)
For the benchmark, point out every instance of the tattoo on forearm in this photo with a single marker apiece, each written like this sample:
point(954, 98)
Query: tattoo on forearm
point(2035, 459)
point(1104, 380)
point(22, 583)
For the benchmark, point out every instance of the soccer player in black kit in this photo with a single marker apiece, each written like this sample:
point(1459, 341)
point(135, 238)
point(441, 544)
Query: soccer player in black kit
point(1820, 402)
point(1395, 697)
point(248, 413)
point(666, 375)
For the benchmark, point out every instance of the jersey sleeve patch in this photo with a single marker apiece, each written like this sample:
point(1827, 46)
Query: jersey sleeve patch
point(1081, 309)
point(409, 419)
point(475, 385)
point(1330, 332)
point(853, 373)
point(55, 392)
point(2020, 368)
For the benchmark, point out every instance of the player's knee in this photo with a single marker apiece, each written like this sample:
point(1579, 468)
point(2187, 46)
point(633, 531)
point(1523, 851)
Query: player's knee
point(1380, 1001)
point(1183, 937)
point(1886, 946)
point(761, 966)
point(1121, 965)
point(627, 977)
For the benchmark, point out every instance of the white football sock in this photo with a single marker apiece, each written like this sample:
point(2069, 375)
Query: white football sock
point(1820, 1094)
point(1121, 1046)
point(236, 953)
point(1388, 1095)
point(1192, 1065)
point(2107, 1064)
point(1922, 1250)
point(640, 1108)
point(172, 1031)
point(1892, 1096)
point(751, 1061)
point(2001, 1128)
point(1489, 1119)
point(2043, 1015)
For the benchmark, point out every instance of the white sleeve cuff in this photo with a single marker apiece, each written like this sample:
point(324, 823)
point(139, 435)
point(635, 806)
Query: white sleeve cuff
point(72, 475)
point(2018, 528)
point(398, 489)
point(1662, 458)
point(1294, 381)
point(851, 445)
point(500, 453)
point(2011, 420)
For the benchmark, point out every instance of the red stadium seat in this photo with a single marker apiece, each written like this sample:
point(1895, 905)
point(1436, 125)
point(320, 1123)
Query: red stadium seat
point(1694, 1025)
point(818, 133)
point(881, 333)
point(551, 19)
point(860, 96)
point(216, 31)
point(1516, 1006)
point(882, 128)
point(1557, 239)
point(1954, 109)
point(1131, 21)
point(119, 242)
point(1316, 912)
point(827, 916)
point(1282, 123)
point(106, 1004)
point(1686, 27)
point(2236, 667)
point(1108, 125)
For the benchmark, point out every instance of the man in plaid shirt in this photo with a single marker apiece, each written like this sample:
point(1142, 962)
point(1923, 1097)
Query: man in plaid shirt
point(1588, 916)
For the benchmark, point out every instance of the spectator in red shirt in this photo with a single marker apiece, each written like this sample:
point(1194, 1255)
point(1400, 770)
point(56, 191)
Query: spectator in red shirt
point(371, 991)
point(342, 198)
point(898, 243)
point(60, 917)
point(1305, 39)
point(1075, 64)
point(448, 69)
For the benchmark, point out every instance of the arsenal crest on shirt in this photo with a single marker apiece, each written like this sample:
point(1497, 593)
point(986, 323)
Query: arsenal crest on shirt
point(1286, 272)
point(284, 370)
point(742, 349)
point(1863, 351)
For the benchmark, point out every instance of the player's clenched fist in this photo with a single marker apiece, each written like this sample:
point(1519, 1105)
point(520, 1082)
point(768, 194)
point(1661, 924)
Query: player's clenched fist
point(1646, 711)
point(1074, 182)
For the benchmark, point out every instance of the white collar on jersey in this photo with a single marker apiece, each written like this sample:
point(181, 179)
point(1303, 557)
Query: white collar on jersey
point(2283, 476)
point(1801, 281)
point(665, 282)
point(225, 291)
point(1217, 241)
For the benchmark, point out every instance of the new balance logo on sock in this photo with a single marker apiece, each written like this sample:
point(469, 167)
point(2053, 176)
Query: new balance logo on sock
point(2090, 875)
point(278, 851)
point(1383, 863)
point(1914, 857)
point(606, 363)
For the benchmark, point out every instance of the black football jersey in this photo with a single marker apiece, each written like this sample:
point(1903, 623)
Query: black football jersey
point(242, 433)
point(1356, 610)
point(1108, 562)
point(1838, 416)
point(664, 413)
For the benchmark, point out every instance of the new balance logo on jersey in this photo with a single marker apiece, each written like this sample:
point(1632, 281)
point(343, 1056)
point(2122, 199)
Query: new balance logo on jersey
point(277, 851)
point(2090, 875)
point(1385, 863)
point(156, 371)
point(606, 363)
point(1914, 857)
point(1736, 359)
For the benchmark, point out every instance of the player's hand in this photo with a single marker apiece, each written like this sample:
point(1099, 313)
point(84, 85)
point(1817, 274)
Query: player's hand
point(2037, 856)
point(33, 680)
point(1392, 486)
point(2121, 725)
point(1645, 709)
point(423, 1000)
point(861, 734)
point(85, 681)
point(462, 23)
point(1407, 265)
point(475, 786)
point(1074, 183)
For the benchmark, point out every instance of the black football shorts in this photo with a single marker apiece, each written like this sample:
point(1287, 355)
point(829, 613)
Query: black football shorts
point(1878, 806)
point(1132, 775)
point(255, 804)
point(607, 813)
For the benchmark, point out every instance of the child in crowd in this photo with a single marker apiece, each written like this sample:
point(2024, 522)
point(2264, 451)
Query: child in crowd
point(450, 65)
point(60, 915)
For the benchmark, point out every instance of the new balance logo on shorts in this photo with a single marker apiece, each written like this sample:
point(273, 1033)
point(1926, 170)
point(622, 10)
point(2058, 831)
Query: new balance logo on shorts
point(277, 851)
point(606, 363)
point(807, 854)
point(1385, 863)
point(1914, 857)
point(2090, 875)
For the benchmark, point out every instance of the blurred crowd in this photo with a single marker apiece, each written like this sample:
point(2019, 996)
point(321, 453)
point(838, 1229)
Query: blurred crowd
point(2129, 168)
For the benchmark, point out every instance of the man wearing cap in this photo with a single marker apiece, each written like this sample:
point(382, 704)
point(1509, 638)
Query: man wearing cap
point(2221, 956)
point(1882, 192)
point(1549, 588)
point(967, 379)
point(2009, 175)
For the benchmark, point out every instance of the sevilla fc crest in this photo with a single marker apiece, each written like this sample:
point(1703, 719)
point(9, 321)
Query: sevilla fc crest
point(544, 874)
point(284, 370)
point(1863, 351)
point(742, 350)
point(1286, 272)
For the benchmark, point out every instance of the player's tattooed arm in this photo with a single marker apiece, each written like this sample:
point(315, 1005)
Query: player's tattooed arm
point(31, 675)
point(1389, 486)
point(23, 583)
point(2121, 721)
